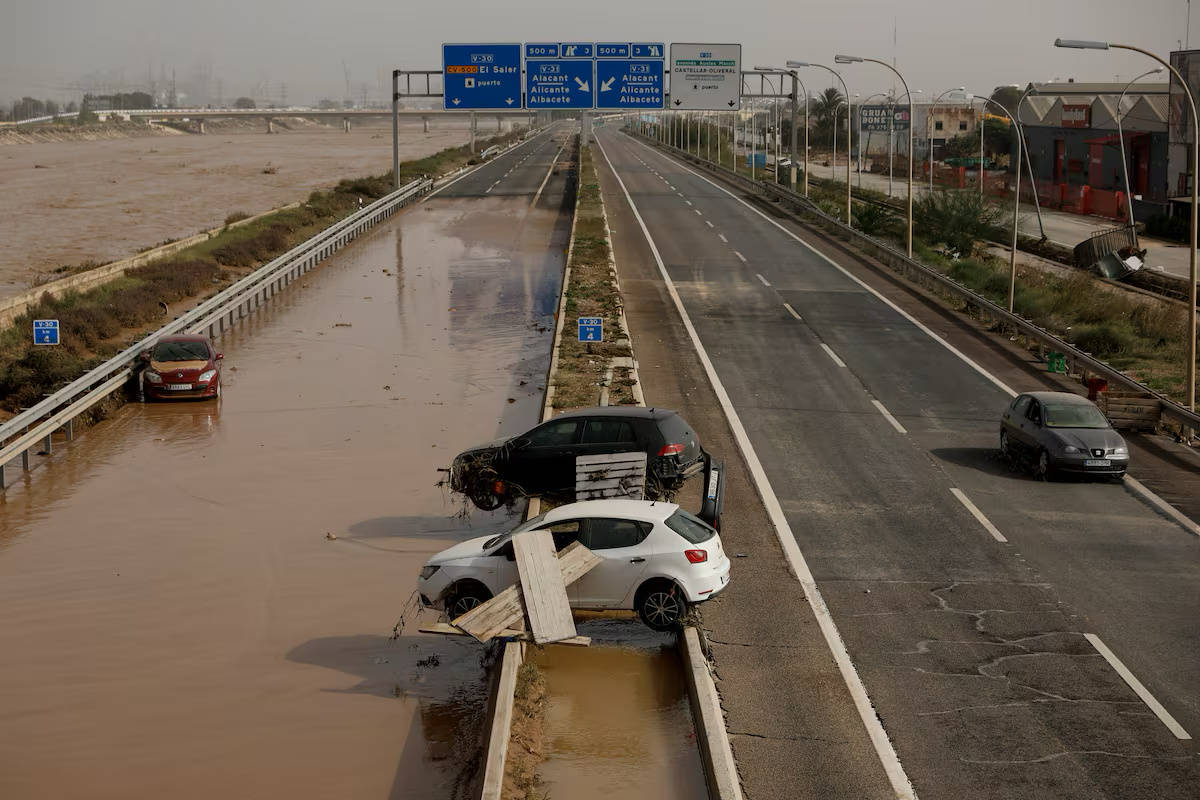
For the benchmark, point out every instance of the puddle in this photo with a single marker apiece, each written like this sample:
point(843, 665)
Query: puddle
point(618, 724)
point(198, 597)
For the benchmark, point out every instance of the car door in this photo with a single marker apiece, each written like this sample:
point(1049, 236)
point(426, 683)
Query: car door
point(564, 533)
point(622, 561)
point(1031, 427)
point(1014, 415)
point(544, 459)
point(608, 435)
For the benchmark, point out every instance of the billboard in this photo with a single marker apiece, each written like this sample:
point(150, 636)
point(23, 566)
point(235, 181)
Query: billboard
point(875, 118)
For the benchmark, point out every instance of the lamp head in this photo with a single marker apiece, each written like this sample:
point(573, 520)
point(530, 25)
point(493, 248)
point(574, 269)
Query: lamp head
point(796, 64)
point(844, 59)
point(1080, 44)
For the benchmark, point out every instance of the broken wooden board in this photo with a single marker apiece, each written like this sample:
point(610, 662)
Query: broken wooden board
point(546, 603)
point(505, 609)
point(610, 475)
point(446, 629)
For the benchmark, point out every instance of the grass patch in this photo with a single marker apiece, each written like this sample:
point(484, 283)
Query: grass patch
point(525, 748)
point(98, 323)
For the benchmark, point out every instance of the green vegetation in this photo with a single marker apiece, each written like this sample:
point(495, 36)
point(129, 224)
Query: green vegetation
point(525, 747)
point(98, 323)
point(956, 219)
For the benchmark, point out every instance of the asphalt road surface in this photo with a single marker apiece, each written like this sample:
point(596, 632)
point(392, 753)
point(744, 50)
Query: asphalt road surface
point(977, 604)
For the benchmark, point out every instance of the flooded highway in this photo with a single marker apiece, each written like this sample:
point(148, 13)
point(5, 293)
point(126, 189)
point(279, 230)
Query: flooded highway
point(198, 598)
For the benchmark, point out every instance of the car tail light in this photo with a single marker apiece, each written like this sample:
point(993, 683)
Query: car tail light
point(671, 450)
point(696, 556)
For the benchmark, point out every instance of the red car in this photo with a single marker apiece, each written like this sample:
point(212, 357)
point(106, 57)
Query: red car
point(182, 366)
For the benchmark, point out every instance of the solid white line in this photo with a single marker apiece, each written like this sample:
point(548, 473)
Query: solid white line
point(975, 512)
point(901, 785)
point(1141, 691)
point(1162, 505)
point(833, 355)
point(739, 255)
point(721, 236)
point(924, 328)
point(888, 416)
point(766, 282)
point(791, 310)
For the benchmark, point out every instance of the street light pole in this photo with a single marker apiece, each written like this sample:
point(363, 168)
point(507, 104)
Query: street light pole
point(929, 128)
point(860, 148)
point(1012, 256)
point(1121, 139)
point(846, 94)
point(1187, 92)
point(1037, 203)
point(844, 59)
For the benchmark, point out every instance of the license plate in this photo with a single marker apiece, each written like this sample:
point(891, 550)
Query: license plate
point(179, 387)
point(1097, 462)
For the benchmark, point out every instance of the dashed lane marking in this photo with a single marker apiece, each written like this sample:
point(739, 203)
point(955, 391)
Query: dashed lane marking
point(792, 311)
point(977, 514)
point(829, 352)
point(1141, 691)
point(766, 282)
point(740, 256)
point(888, 416)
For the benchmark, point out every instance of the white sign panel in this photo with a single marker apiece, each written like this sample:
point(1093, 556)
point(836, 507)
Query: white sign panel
point(706, 77)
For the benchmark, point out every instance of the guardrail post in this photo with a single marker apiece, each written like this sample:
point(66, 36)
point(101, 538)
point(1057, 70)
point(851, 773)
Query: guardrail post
point(69, 429)
point(49, 445)
point(3, 483)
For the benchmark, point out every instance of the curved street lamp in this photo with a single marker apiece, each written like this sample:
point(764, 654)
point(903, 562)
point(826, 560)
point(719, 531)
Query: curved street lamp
point(860, 149)
point(1191, 365)
point(1121, 139)
point(844, 59)
point(1012, 256)
point(846, 94)
point(796, 82)
point(929, 128)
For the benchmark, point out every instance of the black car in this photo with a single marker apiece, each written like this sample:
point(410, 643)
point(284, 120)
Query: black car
point(1060, 432)
point(541, 461)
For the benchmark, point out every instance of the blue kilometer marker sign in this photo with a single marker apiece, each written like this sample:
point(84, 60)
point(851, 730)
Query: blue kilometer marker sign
point(591, 329)
point(45, 331)
point(481, 76)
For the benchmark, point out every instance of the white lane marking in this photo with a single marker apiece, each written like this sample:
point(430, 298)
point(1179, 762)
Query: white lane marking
point(1141, 691)
point(721, 236)
point(792, 311)
point(1162, 505)
point(740, 256)
point(766, 282)
point(689, 202)
point(698, 211)
point(478, 167)
point(829, 352)
point(901, 785)
point(921, 326)
point(709, 224)
point(977, 514)
point(493, 186)
point(549, 172)
point(888, 416)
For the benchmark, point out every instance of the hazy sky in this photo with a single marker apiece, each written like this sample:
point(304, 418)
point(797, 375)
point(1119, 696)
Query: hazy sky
point(49, 46)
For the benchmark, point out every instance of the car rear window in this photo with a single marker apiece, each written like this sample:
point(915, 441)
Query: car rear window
point(690, 527)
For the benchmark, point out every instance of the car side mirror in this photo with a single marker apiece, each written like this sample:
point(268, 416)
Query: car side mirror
point(219, 356)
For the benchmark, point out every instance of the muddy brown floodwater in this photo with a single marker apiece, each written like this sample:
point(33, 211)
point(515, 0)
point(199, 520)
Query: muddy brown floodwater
point(71, 202)
point(618, 723)
point(197, 598)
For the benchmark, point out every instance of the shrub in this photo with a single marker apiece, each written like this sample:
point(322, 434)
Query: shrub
point(873, 220)
point(1104, 338)
point(956, 219)
point(236, 216)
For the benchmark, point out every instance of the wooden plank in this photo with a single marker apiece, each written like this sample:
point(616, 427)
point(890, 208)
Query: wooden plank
point(446, 629)
point(505, 609)
point(610, 458)
point(546, 603)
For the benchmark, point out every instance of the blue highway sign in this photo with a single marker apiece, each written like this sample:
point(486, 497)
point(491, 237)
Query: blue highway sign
point(605, 50)
point(591, 329)
point(577, 50)
point(45, 331)
point(541, 50)
point(481, 76)
point(629, 84)
point(559, 84)
point(647, 50)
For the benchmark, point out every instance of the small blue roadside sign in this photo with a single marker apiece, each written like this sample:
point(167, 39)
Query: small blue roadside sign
point(559, 84)
point(624, 84)
point(549, 50)
point(591, 329)
point(45, 331)
point(577, 50)
point(481, 76)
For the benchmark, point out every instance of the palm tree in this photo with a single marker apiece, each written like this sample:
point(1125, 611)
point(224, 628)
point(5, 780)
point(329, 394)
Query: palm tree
point(824, 110)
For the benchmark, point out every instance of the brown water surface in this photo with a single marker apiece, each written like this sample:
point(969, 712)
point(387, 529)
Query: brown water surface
point(197, 598)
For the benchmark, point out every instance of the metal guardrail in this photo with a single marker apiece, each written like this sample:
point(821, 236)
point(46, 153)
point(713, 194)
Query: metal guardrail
point(1081, 360)
point(37, 424)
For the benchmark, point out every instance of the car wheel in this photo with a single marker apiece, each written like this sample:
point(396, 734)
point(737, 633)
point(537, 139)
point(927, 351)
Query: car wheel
point(465, 597)
point(487, 500)
point(1006, 451)
point(1042, 469)
point(661, 605)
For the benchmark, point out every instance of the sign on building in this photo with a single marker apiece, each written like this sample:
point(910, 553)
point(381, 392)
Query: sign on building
point(706, 77)
point(875, 118)
point(1077, 115)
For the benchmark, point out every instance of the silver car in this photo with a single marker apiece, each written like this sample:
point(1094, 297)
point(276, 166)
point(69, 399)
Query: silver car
point(1062, 432)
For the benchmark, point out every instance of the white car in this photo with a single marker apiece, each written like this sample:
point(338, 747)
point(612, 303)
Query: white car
point(657, 558)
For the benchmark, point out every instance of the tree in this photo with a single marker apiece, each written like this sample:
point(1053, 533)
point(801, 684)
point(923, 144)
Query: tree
point(998, 139)
point(1008, 96)
point(327, 104)
point(244, 102)
point(823, 112)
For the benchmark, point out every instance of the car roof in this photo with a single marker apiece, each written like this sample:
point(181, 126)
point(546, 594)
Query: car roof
point(184, 337)
point(619, 411)
point(619, 507)
point(1065, 398)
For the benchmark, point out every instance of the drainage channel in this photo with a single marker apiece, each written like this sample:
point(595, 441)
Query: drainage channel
point(618, 722)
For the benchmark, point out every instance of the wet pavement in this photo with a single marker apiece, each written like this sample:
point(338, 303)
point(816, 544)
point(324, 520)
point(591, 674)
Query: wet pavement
point(198, 597)
point(618, 724)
